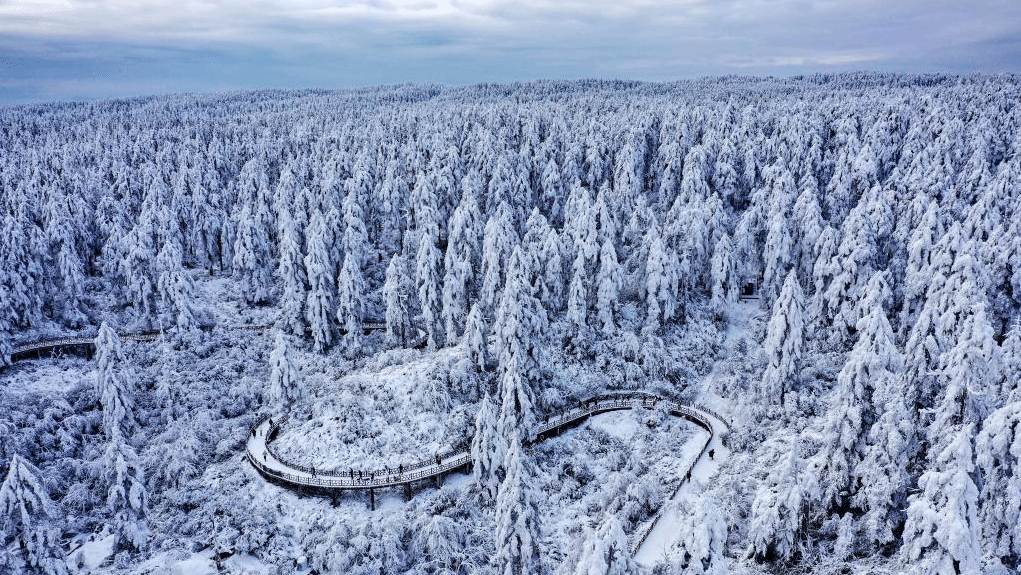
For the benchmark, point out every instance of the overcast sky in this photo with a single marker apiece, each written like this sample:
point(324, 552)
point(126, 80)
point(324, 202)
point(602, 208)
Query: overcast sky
point(88, 49)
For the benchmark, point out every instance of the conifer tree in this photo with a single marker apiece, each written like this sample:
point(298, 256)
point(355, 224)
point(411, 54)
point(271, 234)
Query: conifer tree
point(517, 517)
point(941, 535)
point(114, 383)
point(608, 281)
point(459, 263)
point(427, 278)
point(873, 362)
point(252, 257)
point(291, 274)
point(351, 302)
point(660, 284)
point(606, 551)
point(487, 449)
point(177, 289)
point(725, 286)
point(395, 294)
point(784, 343)
point(701, 547)
point(498, 241)
point(319, 269)
point(998, 457)
point(780, 510)
point(27, 515)
point(520, 324)
point(285, 382)
point(476, 336)
point(126, 497)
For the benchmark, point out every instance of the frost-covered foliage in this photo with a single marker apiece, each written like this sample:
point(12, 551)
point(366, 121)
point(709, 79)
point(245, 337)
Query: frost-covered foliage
point(545, 241)
point(285, 385)
point(27, 519)
point(701, 548)
point(517, 527)
point(784, 343)
point(487, 449)
point(606, 551)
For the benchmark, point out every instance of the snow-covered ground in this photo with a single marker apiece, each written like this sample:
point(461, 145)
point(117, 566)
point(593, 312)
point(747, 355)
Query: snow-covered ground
point(667, 530)
point(372, 418)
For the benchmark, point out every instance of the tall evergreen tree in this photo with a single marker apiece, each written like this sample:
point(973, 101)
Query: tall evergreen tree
point(285, 384)
point(396, 291)
point(291, 275)
point(780, 509)
point(784, 344)
point(606, 551)
point(941, 535)
point(487, 449)
point(517, 517)
point(28, 517)
point(520, 324)
point(319, 269)
point(351, 302)
point(114, 383)
point(427, 279)
point(608, 281)
point(725, 286)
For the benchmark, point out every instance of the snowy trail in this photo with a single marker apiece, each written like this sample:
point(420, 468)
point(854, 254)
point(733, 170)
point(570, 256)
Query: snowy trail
point(652, 535)
point(666, 530)
point(260, 453)
point(73, 343)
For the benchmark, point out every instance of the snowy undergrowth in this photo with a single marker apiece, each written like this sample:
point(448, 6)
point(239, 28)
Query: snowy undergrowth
point(370, 418)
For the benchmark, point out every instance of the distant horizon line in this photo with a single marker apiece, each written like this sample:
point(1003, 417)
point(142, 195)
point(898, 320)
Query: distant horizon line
point(368, 88)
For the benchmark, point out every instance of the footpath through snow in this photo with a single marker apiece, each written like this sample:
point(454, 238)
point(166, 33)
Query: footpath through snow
point(666, 532)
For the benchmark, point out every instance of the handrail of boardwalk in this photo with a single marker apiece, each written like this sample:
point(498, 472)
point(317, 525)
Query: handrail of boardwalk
point(275, 467)
point(24, 350)
point(307, 476)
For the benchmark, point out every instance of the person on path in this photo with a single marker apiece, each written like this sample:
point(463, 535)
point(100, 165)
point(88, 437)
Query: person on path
point(438, 460)
point(400, 469)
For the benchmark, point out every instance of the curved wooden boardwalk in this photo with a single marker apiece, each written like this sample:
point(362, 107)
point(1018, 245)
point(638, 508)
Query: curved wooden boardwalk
point(260, 453)
point(86, 342)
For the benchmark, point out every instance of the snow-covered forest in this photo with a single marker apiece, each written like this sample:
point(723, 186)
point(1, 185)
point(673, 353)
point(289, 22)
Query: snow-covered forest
point(528, 246)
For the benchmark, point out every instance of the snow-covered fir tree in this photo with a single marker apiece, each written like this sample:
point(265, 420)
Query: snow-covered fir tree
point(520, 325)
point(487, 450)
point(114, 383)
point(606, 551)
point(291, 275)
point(29, 520)
point(319, 309)
point(396, 292)
point(702, 546)
point(285, 382)
point(779, 512)
point(784, 344)
point(517, 521)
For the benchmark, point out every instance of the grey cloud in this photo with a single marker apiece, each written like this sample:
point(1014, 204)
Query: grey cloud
point(331, 43)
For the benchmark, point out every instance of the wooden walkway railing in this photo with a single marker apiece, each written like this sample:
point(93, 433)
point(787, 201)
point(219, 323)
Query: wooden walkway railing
point(296, 475)
point(74, 343)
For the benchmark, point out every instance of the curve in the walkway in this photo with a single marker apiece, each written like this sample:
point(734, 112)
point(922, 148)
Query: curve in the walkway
point(260, 453)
